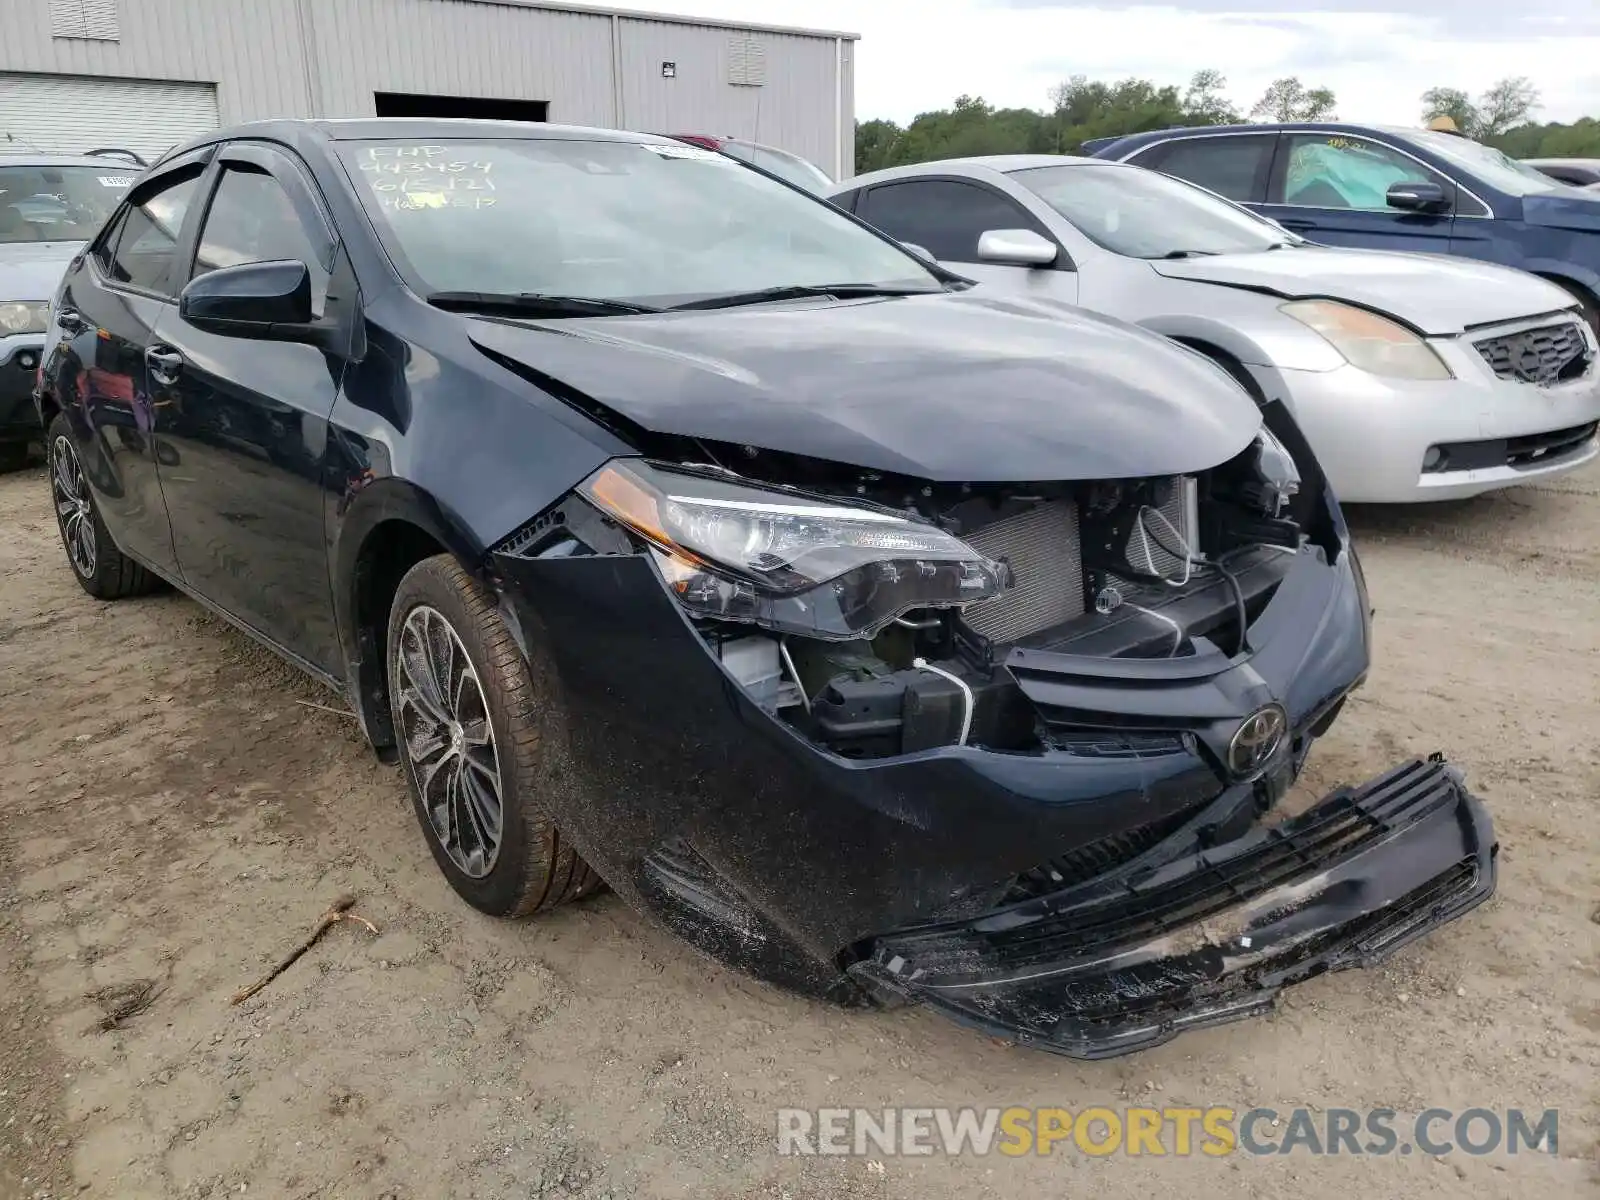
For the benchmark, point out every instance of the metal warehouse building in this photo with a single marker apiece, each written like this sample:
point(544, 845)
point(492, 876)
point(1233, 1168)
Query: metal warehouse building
point(144, 74)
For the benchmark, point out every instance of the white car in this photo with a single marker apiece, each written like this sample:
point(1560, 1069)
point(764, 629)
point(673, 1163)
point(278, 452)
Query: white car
point(1414, 377)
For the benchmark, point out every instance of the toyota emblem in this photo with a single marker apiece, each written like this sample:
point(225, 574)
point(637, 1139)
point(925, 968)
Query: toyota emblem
point(1257, 740)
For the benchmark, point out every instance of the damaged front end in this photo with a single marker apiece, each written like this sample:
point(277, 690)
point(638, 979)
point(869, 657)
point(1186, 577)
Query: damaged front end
point(1000, 748)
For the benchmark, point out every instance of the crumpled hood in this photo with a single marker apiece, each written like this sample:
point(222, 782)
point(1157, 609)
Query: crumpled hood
point(33, 270)
point(1431, 292)
point(1570, 208)
point(949, 387)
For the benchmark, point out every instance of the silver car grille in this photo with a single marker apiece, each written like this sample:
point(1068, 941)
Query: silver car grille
point(1042, 549)
point(1546, 355)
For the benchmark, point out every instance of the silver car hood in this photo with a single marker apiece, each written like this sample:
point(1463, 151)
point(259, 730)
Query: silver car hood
point(1437, 295)
point(33, 270)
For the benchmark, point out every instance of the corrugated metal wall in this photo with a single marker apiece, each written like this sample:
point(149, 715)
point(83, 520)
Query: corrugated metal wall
point(464, 48)
point(249, 48)
point(252, 51)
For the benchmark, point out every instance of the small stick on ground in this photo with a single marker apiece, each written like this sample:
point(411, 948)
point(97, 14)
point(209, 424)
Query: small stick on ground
point(338, 712)
point(338, 911)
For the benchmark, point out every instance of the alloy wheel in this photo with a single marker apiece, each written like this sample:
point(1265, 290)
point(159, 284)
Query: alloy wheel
point(448, 740)
point(73, 507)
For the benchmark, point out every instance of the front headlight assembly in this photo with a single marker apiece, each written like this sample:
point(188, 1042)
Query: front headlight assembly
point(1368, 341)
point(788, 562)
point(22, 316)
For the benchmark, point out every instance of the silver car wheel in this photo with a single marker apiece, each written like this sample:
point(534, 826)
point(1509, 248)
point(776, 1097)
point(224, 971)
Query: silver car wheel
point(448, 740)
point(73, 507)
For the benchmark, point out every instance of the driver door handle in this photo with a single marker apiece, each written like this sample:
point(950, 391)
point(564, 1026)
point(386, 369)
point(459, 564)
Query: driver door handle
point(164, 363)
point(71, 320)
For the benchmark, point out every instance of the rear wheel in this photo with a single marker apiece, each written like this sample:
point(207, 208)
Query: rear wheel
point(102, 570)
point(470, 725)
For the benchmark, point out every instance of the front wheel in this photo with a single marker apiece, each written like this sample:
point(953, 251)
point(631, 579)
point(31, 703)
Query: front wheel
point(102, 570)
point(470, 727)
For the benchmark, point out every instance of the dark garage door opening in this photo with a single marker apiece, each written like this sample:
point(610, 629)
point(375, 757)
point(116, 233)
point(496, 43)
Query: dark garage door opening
point(401, 104)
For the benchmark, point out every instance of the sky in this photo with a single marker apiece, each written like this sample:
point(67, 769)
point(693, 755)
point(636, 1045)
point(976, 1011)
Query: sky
point(1377, 58)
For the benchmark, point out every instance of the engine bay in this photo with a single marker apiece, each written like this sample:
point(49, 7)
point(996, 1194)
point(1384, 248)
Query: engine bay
point(1157, 568)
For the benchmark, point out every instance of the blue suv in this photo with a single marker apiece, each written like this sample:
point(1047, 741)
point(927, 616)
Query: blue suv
point(1386, 188)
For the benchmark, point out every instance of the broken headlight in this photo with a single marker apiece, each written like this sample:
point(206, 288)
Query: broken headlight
point(1277, 478)
point(788, 562)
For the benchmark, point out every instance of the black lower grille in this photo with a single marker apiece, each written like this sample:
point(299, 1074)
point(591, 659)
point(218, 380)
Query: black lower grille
point(1525, 451)
point(1549, 354)
point(1095, 859)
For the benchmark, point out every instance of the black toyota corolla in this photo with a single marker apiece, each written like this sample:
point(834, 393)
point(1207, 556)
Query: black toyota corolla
point(673, 528)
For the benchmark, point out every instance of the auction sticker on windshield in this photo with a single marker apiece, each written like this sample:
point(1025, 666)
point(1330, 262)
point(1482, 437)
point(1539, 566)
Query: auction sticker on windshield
point(409, 178)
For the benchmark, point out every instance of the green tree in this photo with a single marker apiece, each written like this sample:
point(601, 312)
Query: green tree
point(1206, 102)
point(1504, 107)
point(1508, 103)
point(1288, 99)
point(1452, 103)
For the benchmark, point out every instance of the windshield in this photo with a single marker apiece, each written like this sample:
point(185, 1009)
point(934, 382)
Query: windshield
point(41, 203)
point(1144, 214)
point(622, 221)
point(782, 164)
point(1486, 163)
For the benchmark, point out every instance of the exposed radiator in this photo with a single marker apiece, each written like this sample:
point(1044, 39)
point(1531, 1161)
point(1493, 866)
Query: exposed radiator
point(1041, 546)
point(1044, 550)
point(1181, 510)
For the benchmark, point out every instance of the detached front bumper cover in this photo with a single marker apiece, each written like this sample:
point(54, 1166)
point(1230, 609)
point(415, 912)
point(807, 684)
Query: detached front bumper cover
point(1120, 964)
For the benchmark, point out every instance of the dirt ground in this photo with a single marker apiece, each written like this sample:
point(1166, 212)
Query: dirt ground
point(172, 815)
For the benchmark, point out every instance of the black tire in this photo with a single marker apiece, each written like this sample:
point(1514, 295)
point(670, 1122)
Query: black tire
point(1587, 303)
point(13, 456)
point(533, 866)
point(105, 572)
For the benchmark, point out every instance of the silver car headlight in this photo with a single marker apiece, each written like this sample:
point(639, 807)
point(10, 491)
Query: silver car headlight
point(23, 316)
point(1368, 341)
point(788, 562)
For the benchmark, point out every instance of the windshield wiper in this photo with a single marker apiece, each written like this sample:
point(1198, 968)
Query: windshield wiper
point(1190, 254)
point(534, 304)
point(800, 291)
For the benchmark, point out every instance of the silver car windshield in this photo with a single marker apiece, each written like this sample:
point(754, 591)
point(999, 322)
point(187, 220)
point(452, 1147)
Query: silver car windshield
point(1144, 214)
point(1486, 163)
point(44, 203)
point(622, 221)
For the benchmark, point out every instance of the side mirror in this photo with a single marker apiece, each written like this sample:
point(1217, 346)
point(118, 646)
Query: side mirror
point(1420, 196)
point(921, 252)
point(269, 300)
point(1016, 248)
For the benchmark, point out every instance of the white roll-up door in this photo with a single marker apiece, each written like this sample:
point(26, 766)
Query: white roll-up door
point(69, 114)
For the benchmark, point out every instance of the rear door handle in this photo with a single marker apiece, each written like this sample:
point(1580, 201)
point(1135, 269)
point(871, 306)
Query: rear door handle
point(164, 364)
point(71, 320)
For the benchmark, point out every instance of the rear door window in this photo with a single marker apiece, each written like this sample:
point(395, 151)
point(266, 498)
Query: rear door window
point(1234, 166)
point(943, 216)
point(1347, 172)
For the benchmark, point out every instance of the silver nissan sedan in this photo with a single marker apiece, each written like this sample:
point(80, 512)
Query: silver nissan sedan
point(1414, 377)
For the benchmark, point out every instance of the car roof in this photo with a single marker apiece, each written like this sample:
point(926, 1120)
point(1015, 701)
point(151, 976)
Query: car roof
point(356, 129)
point(34, 158)
point(1562, 162)
point(1185, 131)
point(1003, 163)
